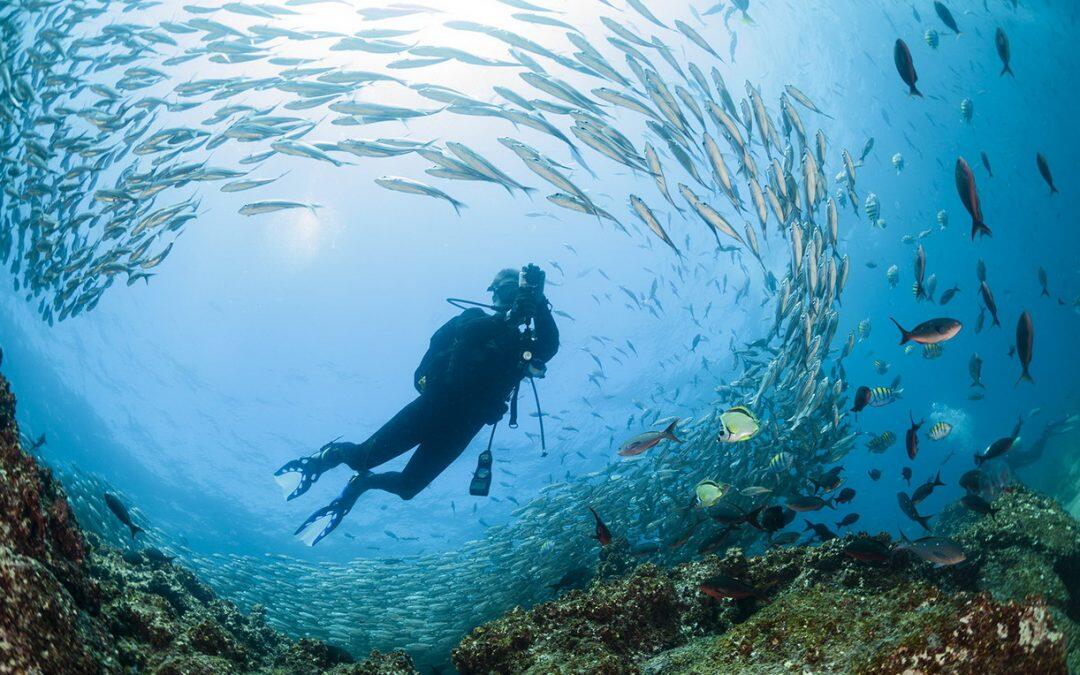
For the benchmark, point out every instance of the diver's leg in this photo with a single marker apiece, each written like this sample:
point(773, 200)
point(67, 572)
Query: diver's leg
point(403, 431)
point(434, 455)
point(448, 439)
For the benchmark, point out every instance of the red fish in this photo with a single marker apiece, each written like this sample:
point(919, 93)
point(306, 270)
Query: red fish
point(603, 534)
point(930, 332)
point(642, 442)
point(969, 195)
point(721, 586)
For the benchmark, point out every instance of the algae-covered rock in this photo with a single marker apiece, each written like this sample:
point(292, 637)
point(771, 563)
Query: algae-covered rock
point(70, 604)
point(819, 610)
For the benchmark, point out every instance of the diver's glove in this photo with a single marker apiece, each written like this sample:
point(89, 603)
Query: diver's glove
point(326, 519)
point(532, 277)
point(297, 477)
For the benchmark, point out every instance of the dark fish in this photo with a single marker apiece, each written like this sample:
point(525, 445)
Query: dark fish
point(906, 473)
point(924, 490)
point(937, 550)
point(911, 438)
point(986, 164)
point(969, 195)
point(121, 513)
point(771, 518)
point(999, 447)
point(802, 504)
point(830, 480)
point(1001, 41)
point(908, 509)
point(845, 496)
point(988, 300)
point(920, 272)
point(721, 586)
point(821, 531)
point(1044, 169)
point(862, 398)
point(948, 295)
point(866, 549)
point(1043, 281)
point(157, 556)
point(603, 534)
point(946, 16)
point(930, 332)
point(905, 66)
point(1025, 343)
point(875, 474)
point(972, 481)
point(849, 519)
point(730, 514)
point(978, 505)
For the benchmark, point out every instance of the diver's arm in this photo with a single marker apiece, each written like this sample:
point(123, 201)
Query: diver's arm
point(546, 333)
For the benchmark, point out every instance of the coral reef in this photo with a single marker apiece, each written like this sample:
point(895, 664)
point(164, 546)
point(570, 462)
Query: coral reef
point(1014, 600)
point(70, 604)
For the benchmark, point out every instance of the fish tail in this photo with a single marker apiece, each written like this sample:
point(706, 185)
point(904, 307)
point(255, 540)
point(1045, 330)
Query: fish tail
point(904, 335)
point(980, 228)
point(1045, 294)
point(1053, 190)
point(752, 518)
point(135, 529)
point(915, 92)
point(670, 431)
point(1024, 377)
point(1008, 70)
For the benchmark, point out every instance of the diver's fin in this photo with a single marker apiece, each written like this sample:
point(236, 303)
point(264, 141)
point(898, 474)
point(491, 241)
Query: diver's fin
point(296, 477)
point(288, 481)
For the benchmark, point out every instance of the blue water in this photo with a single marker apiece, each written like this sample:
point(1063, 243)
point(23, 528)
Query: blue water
point(259, 339)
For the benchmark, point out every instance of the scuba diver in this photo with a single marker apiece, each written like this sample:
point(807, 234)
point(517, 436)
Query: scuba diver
point(473, 367)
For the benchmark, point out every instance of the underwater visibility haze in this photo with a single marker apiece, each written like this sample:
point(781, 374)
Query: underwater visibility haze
point(803, 269)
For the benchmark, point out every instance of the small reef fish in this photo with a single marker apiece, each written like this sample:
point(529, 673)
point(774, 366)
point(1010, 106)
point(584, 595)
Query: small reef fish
point(737, 424)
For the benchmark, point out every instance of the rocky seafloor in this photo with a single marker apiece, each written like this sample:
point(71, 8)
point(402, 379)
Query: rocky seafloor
point(71, 604)
point(1012, 607)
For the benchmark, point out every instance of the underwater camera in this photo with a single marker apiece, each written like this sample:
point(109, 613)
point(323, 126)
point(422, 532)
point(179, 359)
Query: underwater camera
point(481, 480)
point(530, 288)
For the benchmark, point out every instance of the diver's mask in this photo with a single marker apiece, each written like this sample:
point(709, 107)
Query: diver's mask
point(481, 480)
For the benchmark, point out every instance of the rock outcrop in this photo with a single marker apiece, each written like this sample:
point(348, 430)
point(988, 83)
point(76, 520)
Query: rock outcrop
point(1014, 600)
point(70, 604)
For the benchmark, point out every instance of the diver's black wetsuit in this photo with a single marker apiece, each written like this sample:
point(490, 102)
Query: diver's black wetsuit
point(470, 369)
